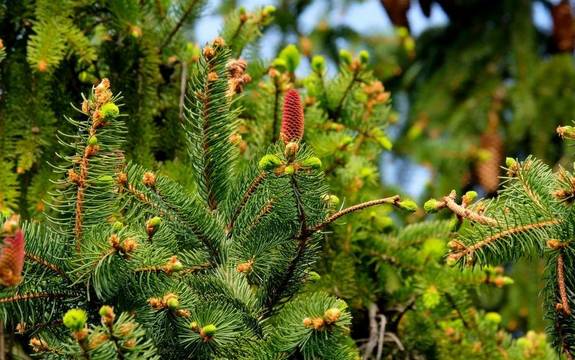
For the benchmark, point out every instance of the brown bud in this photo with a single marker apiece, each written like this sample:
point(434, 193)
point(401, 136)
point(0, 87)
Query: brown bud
point(149, 179)
point(554, 244)
point(456, 245)
point(245, 267)
point(318, 323)
point(38, 345)
point(122, 178)
point(332, 315)
point(212, 76)
point(219, 42)
point(114, 240)
point(129, 245)
point(209, 52)
point(307, 322)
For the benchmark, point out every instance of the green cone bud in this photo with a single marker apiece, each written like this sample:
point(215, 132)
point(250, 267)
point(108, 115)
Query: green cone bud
point(194, 326)
point(332, 200)
point(313, 276)
point(75, 319)
point(269, 162)
point(155, 221)
point(117, 226)
point(345, 57)
point(408, 205)
point(106, 310)
point(312, 162)
point(279, 64)
point(209, 330)
point(109, 110)
point(363, 57)
point(289, 170)
point(290, 54)
point(510, 162)
point(431, 206)
point(493, 317)
point(470, 196)
point(269, 10)
point(318, 64)
point(173, 303)
point(93, 140)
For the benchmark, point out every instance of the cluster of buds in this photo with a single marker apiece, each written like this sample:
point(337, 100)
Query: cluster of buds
point(210, 51)
point(100, 106)
point(124, 247)
point(171, 266)
point(237, 76)
point(512, 166)
point(206, 332)
point(12, 253)
point(376, 95)
point(330, 317)
point(171, 302)
point(355, 64)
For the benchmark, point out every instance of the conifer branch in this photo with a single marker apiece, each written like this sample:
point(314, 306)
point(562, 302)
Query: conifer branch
point(335, 114)
point(46, 264)
point(512, 231)
point(247, 195)
point(393, 200)
point(178, 25)
point(561, 284)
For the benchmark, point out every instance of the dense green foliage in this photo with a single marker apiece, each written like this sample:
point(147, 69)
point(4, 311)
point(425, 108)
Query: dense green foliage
point(468, 92)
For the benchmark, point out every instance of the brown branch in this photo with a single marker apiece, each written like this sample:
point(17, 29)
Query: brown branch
point(393, 200)
point(32, 296)
point(266, 209)
point(275, 135)
point(183, 82)
point(512, 231)
point(167, 270)
point(247, 195)
point(45, 263)
point(561, 284)
point(463, 212)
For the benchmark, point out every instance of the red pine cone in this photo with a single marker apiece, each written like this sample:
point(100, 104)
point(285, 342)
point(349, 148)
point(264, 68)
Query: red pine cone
point(12, 259)
point(292, 119)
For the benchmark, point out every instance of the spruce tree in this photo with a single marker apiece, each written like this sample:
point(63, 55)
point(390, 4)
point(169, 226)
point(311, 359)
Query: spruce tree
point(219, 272)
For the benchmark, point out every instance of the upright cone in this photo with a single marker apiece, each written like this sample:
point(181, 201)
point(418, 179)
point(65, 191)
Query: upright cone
point(292, 119)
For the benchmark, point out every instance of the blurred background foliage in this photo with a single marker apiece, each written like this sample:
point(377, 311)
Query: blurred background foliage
point(470, 82)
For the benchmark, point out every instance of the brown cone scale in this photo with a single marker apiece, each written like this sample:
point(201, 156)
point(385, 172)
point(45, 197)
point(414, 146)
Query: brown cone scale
point(292, 118)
